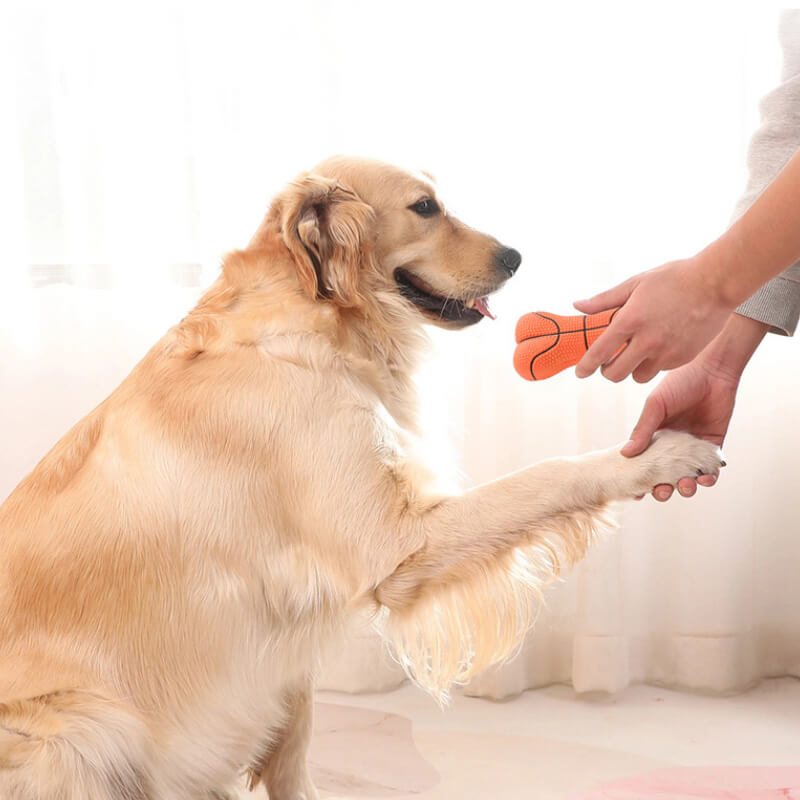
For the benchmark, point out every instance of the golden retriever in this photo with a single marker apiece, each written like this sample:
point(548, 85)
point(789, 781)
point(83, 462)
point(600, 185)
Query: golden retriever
point(173, 570)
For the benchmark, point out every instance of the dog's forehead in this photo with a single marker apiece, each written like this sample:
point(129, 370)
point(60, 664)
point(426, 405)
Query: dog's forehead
point(385, 184)
point(378, 182)
point(425, 180)
point(422, 183)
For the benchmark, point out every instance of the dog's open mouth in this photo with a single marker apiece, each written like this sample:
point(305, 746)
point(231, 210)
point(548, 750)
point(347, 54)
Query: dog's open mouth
point(451, 309)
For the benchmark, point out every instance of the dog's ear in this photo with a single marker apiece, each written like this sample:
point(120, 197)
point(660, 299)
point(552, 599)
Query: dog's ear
point(327, 229)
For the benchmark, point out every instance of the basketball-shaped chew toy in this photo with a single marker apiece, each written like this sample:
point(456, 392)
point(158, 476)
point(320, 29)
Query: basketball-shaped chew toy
point(549, 343)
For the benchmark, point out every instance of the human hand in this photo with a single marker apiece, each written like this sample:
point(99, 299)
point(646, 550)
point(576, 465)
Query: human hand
point(693, 398)
point(699, 397)
point(668, 316)
point(671, 313)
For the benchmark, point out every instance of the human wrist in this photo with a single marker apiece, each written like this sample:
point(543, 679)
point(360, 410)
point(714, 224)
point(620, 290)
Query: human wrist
point(728, 354)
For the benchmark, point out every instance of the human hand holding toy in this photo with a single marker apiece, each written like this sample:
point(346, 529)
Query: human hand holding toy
point(549, 343)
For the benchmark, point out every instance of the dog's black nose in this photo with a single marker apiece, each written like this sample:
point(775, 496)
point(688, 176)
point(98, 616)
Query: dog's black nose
point(508, 260)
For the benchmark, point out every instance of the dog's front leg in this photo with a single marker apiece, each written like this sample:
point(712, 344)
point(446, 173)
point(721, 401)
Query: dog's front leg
point(283, 768)
point(539, 501)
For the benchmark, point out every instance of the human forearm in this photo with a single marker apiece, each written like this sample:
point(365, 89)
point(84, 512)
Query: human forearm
point(761, 244)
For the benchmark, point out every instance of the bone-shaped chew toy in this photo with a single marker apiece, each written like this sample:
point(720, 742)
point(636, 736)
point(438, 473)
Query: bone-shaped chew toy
point(548, 343)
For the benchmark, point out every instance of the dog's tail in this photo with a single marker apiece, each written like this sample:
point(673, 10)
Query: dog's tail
point(73, 745)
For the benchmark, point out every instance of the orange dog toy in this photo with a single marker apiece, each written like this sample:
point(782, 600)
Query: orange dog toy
point(548, 343)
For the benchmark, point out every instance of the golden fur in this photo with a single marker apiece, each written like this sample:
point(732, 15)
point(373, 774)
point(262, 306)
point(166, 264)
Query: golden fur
point(173, 570)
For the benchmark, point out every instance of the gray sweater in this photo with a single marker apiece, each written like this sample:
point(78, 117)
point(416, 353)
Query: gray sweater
point(777, 302)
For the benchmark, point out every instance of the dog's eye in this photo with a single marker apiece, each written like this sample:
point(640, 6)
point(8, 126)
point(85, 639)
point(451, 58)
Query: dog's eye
point(425, 208)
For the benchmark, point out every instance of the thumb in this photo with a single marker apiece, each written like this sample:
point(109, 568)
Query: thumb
point(653, 414)
point(605, 300)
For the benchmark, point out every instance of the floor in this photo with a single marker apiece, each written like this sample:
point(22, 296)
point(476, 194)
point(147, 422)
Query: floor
point(551, 743)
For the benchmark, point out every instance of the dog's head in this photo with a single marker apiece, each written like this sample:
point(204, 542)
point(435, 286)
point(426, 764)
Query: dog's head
point(355, 227)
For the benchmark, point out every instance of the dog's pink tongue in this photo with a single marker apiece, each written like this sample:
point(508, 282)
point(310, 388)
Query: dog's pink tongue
point(482, 304)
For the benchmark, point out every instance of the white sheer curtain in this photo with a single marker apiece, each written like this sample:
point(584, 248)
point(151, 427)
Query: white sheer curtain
point(140, 142)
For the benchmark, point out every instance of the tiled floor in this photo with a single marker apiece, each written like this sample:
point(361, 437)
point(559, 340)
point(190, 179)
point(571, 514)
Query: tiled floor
point(552, 743)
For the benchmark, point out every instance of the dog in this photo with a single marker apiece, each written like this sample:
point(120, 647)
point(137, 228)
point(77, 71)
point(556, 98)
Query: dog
point(174, 569)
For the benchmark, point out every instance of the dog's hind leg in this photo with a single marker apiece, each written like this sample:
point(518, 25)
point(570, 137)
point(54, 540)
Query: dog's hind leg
point(73, 745)
point(283, 768)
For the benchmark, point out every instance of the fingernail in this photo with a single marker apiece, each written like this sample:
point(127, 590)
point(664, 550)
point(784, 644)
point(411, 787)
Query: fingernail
point(723, 463)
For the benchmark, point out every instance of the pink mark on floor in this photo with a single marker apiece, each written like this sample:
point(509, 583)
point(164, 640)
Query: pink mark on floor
point(708, 783)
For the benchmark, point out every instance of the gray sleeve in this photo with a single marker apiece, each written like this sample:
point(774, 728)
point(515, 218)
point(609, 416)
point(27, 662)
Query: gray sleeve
point(777, 302)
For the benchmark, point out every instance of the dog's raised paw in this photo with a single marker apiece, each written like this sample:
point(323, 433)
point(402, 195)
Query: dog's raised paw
point(673, 455)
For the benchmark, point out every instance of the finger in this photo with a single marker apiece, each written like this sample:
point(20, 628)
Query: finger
point(662, 492)
point(623, 364)
point(687, 487)
point(601, 351)
point(653, 415)
point(646, 371)
point(605, 300)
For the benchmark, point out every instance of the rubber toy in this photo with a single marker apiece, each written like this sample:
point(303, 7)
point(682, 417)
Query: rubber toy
point(549, 343)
